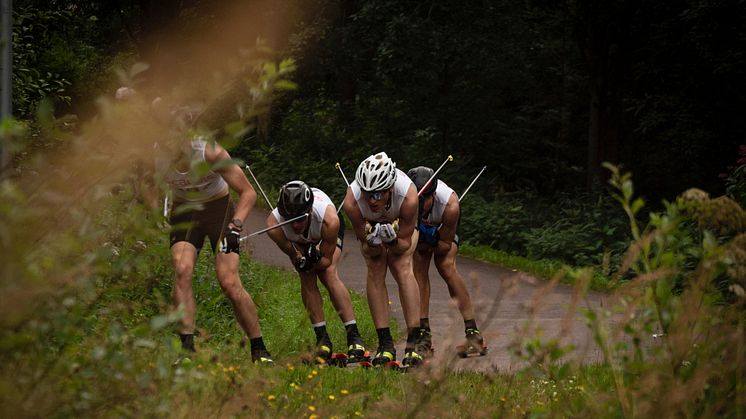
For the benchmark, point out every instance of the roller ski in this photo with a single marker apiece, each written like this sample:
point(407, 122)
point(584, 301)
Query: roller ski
point(339, 360)
point(356, 351)
point(384, 357)
point(474, 345)
point(411, 360)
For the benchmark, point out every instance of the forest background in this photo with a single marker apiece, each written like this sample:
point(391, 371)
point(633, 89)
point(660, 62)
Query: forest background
point(542, 93)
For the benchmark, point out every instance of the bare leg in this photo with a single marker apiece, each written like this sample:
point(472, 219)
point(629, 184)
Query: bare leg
point(378, 297)
point(421, 265)
point(183, 258)
point(226, 267)
point(446, 265)
point(309, 291)
point(401, 269)
point(338, 292)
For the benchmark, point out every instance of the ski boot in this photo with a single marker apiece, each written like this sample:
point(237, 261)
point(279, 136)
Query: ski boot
point(262, 357)
point(474, 344)
point(384, 356)
point(411, 359)
point(323, 351)
point(424, 344)
point(356, 351)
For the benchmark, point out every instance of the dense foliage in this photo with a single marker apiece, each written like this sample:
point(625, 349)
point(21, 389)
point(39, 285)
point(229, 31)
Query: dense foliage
point(539, 92)
point(85, 324)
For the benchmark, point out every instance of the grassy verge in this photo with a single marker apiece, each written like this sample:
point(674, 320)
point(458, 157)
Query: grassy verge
point(123, 363)
point(542, 269)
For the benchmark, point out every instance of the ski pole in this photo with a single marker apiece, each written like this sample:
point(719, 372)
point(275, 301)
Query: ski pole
point(260, 188)
point(449, 158)
point(472, 183)
point(343, 174)
point(264, 230)
point(346, 182)
point(165, 206)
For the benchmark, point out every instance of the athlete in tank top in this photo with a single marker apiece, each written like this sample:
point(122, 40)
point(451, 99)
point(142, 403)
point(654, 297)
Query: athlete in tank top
point(391, 211)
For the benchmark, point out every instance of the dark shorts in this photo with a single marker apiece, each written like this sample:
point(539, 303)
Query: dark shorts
point(194, 224)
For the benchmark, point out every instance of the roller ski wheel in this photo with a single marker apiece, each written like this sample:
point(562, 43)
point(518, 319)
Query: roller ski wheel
point(474, 345)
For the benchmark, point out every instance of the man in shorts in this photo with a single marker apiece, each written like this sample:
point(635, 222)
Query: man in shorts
point(382, 206)
point(314, 243)
point(438, 220)
point(200, 176)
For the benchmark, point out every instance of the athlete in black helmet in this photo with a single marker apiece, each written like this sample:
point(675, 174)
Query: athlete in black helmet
point(437, 223)
point(314, 245)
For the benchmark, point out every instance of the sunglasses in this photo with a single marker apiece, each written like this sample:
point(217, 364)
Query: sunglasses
point(376, 195)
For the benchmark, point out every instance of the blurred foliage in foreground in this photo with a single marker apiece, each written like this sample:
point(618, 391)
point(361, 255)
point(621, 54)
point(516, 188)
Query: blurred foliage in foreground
point(85, 321)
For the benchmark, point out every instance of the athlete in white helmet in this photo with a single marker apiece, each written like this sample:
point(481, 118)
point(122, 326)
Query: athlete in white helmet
point(382, 206)
point(314, 245)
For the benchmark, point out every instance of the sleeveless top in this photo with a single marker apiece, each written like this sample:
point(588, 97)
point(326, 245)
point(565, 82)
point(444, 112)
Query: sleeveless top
point(388, 214)
point(188, 189)
point(313, 233)
point(441, 197)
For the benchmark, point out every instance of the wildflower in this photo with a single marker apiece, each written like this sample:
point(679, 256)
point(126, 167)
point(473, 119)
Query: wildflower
point(314, 372)
point(271, 397)
point(331, 397)
point(290, 367)
point(312, 408)
point(344, 392)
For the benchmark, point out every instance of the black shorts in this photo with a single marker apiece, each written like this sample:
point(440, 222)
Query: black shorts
point(193, 225)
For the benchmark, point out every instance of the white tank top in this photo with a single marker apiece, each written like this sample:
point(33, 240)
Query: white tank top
point(442, 195)
point(320, 202)
point(205, 189)
point(391, 213)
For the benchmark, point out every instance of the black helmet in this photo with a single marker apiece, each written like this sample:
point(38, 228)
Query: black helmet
point(420, 175)
point(296, 198)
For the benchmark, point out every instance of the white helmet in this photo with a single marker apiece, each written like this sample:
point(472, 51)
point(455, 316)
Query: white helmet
point(376, 173)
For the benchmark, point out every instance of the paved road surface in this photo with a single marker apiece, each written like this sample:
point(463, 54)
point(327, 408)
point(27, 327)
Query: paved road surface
point(505, 303)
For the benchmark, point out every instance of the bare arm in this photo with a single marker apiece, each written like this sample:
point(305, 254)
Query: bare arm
point(328, 245)
point(278, 236)
point(448, 227)
point(356, 217)
point(407, 222)
point(235, 178)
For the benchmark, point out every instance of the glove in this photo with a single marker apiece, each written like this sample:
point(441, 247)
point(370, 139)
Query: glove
point(386, 232)
point(372, 235)
point(428, 234)
point(302, 264)
point(231, 241)
point(312, 254)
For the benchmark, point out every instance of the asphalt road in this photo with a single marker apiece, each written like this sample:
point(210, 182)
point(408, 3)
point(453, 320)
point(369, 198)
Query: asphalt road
point(509, 306)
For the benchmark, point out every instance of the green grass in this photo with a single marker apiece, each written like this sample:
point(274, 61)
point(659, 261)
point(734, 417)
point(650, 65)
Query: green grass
point(542, 268)
point(122, 363)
